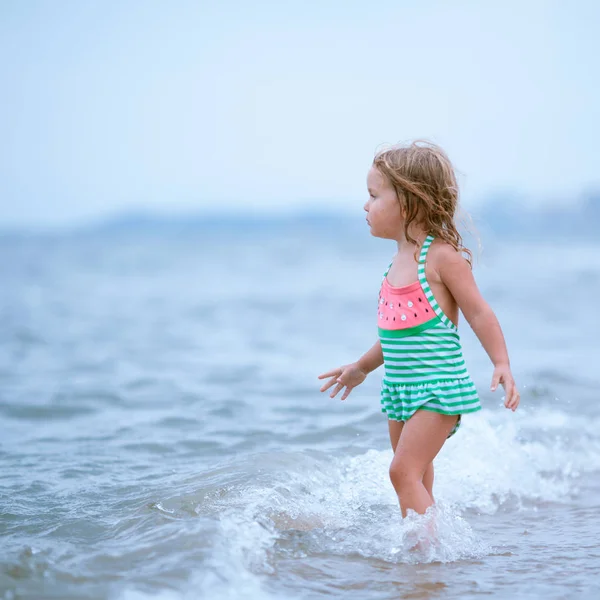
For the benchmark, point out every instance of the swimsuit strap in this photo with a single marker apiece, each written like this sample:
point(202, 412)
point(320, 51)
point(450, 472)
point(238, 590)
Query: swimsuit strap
point(387, 270)
point(425, 285)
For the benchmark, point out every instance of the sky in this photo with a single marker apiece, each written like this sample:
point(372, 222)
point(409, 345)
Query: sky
point(111, 106)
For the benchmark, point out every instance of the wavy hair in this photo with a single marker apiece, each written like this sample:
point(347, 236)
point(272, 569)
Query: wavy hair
point(425, 183)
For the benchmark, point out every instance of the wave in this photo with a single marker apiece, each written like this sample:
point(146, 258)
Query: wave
point(299, 504)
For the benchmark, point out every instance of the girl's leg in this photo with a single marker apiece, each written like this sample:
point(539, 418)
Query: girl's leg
point(395, 428)
point(428, 481)
point(423, 436)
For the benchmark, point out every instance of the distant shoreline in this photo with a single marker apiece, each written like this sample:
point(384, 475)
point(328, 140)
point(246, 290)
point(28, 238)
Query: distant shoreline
point(498, 217)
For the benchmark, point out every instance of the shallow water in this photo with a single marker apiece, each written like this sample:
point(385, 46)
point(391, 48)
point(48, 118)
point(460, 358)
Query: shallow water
point(163, 435)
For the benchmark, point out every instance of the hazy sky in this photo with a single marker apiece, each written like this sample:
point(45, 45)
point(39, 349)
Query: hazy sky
point(120, 105)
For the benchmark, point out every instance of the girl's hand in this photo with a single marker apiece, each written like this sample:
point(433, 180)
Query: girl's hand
point(503, 376)
point(349, 376)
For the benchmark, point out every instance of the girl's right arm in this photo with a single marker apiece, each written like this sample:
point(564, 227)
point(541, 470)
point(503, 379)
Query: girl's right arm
point(352, 375)
point(371, 359)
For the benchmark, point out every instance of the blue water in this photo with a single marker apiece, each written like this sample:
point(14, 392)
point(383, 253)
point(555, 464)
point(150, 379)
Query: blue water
point(162, 434)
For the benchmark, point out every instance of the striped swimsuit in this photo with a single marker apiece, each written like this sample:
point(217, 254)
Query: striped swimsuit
point(422, 354)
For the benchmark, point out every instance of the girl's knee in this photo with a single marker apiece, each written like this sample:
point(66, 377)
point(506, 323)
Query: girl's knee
point(403, 474)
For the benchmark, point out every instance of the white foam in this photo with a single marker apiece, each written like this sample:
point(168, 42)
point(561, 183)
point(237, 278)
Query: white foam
point(495, 458)
point(525, 458)
point(346, 505)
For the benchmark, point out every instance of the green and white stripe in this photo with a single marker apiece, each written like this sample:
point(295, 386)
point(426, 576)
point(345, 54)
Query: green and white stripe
point(427, 290)
point(424, 365)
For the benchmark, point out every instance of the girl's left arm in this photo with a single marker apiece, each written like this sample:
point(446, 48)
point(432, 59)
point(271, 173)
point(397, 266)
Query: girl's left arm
point(456, 274)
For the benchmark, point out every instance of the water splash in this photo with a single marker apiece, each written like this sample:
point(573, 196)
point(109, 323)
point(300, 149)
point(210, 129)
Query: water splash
point(302, 504)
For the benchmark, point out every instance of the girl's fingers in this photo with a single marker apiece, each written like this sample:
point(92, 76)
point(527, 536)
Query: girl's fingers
point(512, 396)
point(495, 382)
point(338, 387)
point(327, 385)
point(346, 393)
point(345, 377)
point(508, 389)
point(332, 373)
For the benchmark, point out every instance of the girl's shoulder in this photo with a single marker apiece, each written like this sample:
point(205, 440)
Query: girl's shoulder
point(441, 250)
point(443, 256)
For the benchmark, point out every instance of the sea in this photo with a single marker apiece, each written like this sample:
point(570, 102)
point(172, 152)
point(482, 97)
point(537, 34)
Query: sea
point(162, 433)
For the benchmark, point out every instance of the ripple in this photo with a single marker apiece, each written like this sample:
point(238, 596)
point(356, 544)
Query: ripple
point(179, 423)
point(45, 412)
point(164, 432)
point(155, 448)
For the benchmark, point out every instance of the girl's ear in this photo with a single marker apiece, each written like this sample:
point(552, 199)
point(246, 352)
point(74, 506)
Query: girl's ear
point(402, 205)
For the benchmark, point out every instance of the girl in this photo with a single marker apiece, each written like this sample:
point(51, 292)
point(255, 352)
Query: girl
point(413, 197)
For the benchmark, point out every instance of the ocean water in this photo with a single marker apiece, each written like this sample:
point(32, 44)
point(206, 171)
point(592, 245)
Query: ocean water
point(162, 435)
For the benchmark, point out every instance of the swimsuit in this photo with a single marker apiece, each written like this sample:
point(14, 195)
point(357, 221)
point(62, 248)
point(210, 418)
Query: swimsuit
point(422, 353)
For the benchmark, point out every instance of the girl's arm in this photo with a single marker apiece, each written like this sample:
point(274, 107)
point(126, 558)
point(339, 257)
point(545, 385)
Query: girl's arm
point(456, 274)
point(371, 359)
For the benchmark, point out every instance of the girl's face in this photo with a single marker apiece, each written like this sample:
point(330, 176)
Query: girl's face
point(384, 214)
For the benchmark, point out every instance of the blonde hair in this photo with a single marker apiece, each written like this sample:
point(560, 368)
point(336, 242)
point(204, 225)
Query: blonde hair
point(425, 183)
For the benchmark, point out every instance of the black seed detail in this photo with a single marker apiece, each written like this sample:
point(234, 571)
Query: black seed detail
point(420, 299)
point(415, 314)
point(426, 310)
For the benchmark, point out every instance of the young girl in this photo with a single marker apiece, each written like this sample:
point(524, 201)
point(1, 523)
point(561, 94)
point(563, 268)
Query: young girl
point(413, 197)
